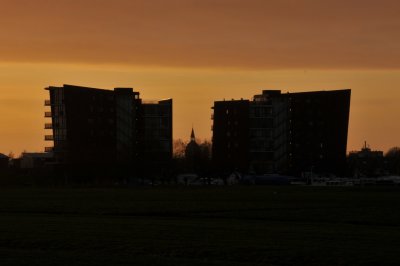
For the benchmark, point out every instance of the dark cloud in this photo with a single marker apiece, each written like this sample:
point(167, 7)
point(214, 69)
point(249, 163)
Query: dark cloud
point(192, 33)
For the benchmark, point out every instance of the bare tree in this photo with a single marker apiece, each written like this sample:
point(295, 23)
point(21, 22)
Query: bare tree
point(11, 155)
point(179, 147)
point(393, 160)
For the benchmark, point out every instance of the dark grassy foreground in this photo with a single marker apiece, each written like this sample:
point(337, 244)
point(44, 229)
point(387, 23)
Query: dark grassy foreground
point(200, 226)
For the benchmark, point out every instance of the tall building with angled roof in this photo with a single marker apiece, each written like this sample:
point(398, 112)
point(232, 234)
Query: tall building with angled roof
point(288, 133)
point(97, 127)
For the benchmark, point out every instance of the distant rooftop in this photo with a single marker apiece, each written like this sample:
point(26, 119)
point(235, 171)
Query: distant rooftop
point(273, 93)
point(37, 154)
point(88, 88)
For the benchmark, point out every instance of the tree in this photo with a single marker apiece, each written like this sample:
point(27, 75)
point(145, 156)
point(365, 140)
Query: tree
point(179, 147)
point(205, 148)
point(393, 160)
point(11, 155)
point(190, 157)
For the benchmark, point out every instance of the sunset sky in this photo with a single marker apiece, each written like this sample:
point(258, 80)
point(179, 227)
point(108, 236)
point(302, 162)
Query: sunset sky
point(198, 51)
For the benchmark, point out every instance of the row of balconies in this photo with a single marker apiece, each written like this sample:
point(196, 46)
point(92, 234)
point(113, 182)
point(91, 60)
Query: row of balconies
point(49, 103)
point(48, 126)
point(48, 137)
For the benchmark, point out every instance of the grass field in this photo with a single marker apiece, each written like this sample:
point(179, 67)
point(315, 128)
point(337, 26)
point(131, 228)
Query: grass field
point(200, 226)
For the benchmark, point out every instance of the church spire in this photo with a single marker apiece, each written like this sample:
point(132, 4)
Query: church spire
point(192, 136)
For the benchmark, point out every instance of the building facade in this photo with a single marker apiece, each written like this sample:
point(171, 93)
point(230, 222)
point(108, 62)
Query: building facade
point(367, 162)
point(96, 127)
point(155, 136)
point(289, 133)
point(4, 161)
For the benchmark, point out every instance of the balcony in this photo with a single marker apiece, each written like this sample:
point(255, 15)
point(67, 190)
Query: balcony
point(48, 126)
point(47, 114)
point(48, 137)
point(48, 149)
point(47, 103)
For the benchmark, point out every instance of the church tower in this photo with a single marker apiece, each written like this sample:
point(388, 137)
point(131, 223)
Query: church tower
point(192, 136)
point(192, 152)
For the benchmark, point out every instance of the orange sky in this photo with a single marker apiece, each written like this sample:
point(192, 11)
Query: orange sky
point(197, 52)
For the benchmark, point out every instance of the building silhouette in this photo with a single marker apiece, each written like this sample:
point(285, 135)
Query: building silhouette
point(96, 128)
point(34, 160)
point(4, 161)
point(193, 155)
point(289, 133)
point(366, 162)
